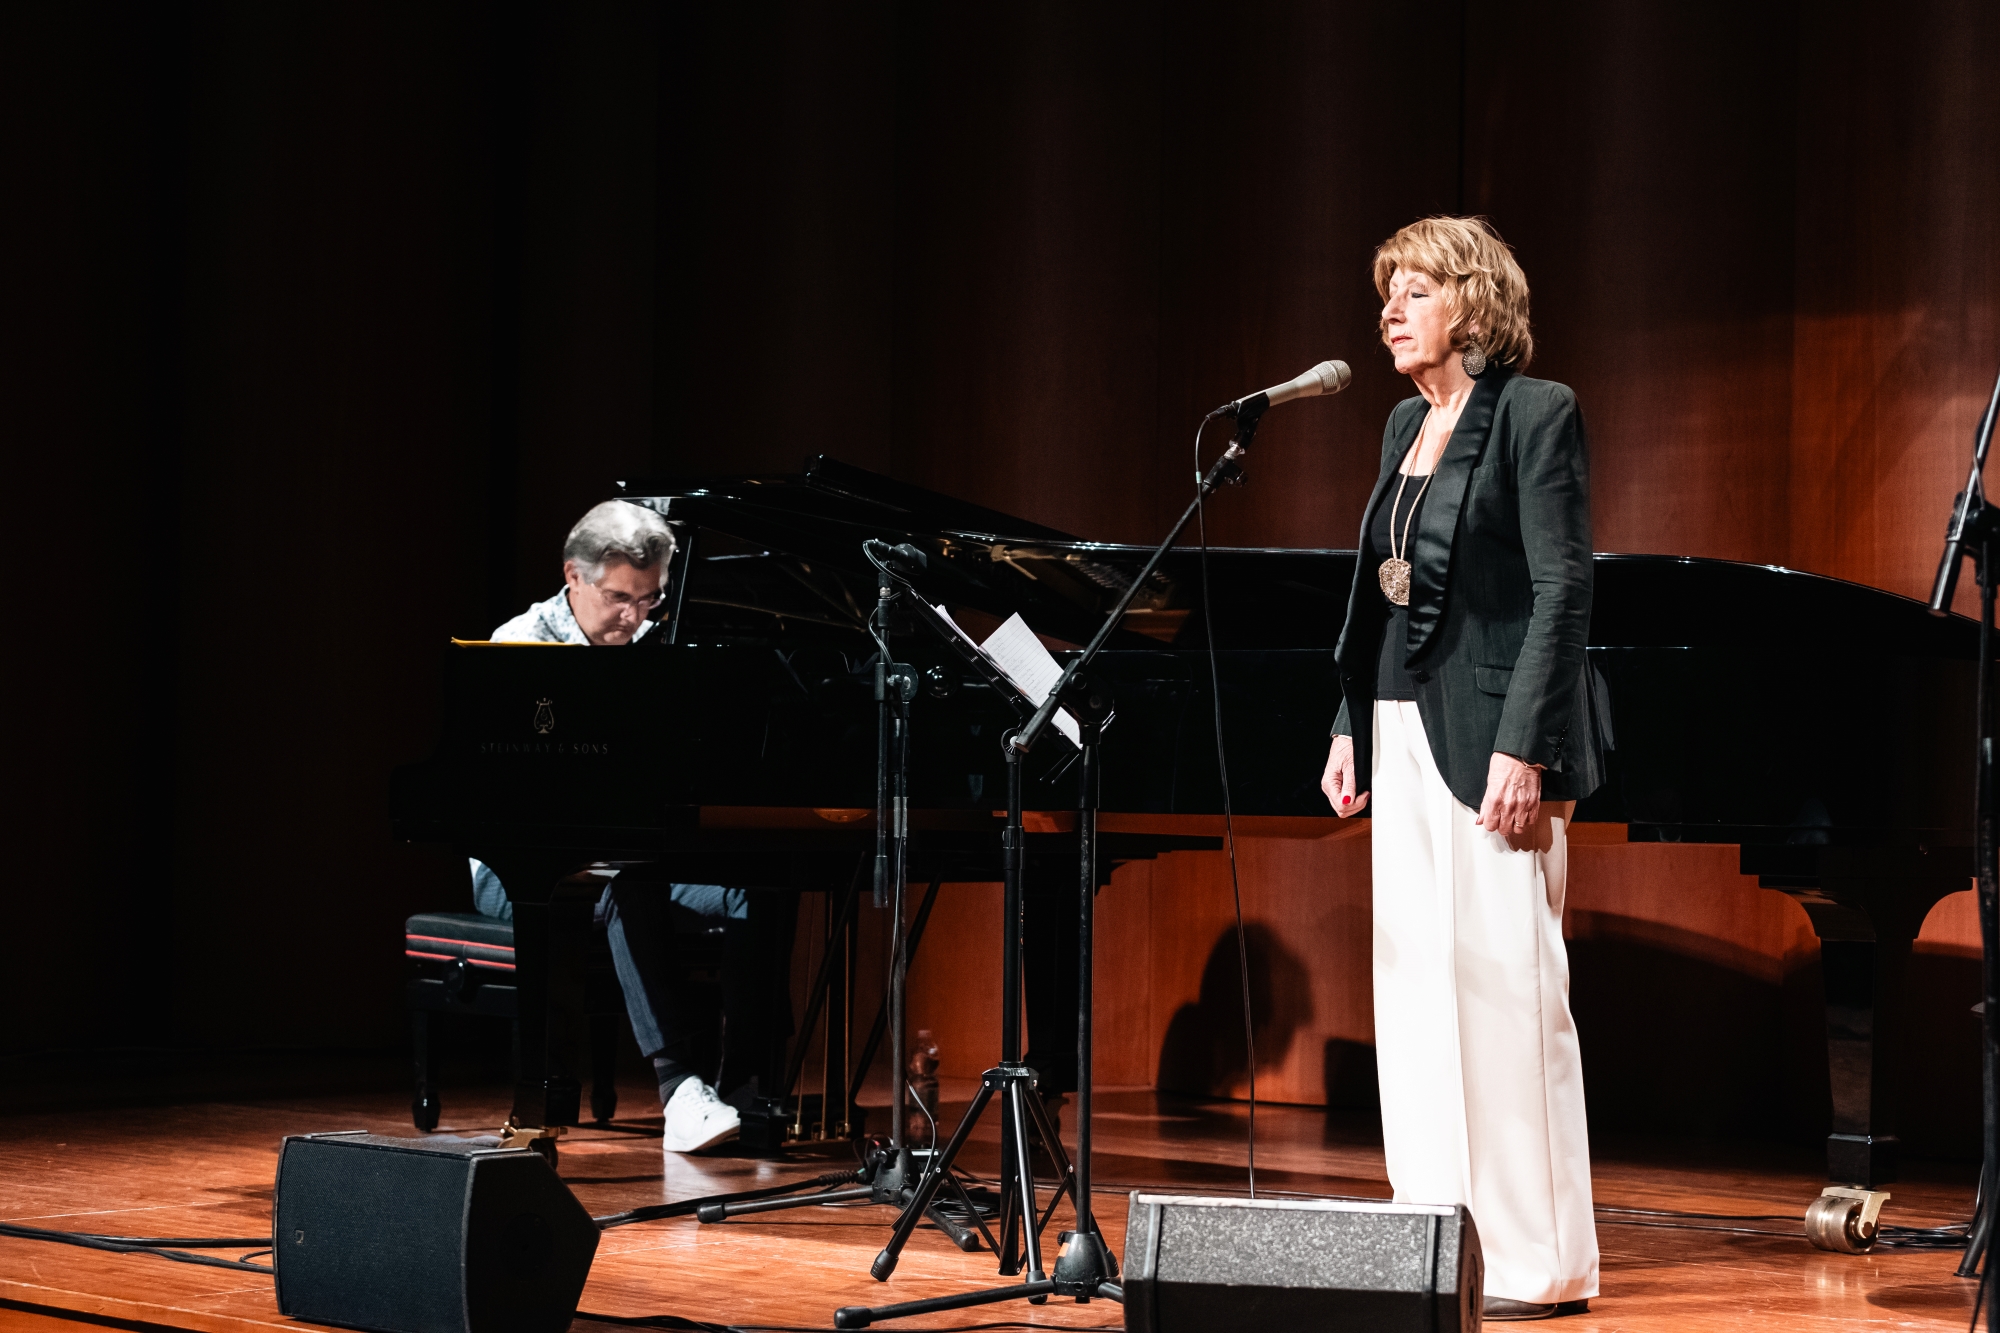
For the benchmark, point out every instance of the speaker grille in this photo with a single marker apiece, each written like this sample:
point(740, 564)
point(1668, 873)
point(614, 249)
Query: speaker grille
point(1195, 1265)
point(372, 1238)
point(426, 1236)
point(1283, 1247)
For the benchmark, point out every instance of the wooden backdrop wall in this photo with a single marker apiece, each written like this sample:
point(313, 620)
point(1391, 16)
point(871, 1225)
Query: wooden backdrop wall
point(351, 312)
point(319, 323)
point(1694, 192)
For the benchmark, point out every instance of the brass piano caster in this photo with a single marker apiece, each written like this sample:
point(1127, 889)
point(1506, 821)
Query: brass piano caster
point(1845, 1220)
point(541, 1140)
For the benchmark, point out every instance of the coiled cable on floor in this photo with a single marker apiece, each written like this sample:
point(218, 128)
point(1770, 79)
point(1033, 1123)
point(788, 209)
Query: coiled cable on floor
point(1949, 1236)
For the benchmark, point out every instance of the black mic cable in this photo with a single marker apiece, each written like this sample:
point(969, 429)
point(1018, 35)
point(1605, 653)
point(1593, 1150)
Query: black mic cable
point(1228, 812)
point(157, 1245)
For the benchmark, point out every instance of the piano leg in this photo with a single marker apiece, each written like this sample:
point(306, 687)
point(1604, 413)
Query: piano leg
point(546, 948)
point(425, 1107)
point(1866, 927)
point(544, 1096)
point(1864, 994)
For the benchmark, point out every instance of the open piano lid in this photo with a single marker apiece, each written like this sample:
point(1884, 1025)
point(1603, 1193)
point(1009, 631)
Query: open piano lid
point(800, 560)
point(804, 565)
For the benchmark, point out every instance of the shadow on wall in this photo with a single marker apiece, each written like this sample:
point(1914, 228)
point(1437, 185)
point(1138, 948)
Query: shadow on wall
point(1940, 1072)
point(1680, 1045)
point(1350, 1076)
point(1672, 1045)
point(1203, 1052)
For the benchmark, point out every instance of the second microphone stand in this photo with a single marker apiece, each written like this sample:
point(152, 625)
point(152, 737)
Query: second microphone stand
point(1085, 1267)
point(1975, 531)
point(889, 1176)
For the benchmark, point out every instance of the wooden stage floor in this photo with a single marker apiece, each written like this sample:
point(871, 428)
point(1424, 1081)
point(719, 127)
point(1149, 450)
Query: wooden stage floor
point(207, 1170)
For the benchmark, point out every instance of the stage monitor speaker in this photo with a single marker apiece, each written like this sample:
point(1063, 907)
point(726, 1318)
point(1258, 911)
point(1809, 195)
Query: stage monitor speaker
point(1268, 1266)
point(426, 1236)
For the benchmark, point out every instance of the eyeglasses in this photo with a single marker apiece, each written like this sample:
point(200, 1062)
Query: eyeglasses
point(626, 602)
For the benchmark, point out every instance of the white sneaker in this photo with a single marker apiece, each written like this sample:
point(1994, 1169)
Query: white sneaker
point(697, 1118)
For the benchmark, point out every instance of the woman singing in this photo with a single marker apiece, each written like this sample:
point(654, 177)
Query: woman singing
point(1468, 719)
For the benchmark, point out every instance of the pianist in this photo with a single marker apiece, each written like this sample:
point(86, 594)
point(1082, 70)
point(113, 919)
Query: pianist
point(615, 565)
point(614, 574)
point(1466, 716)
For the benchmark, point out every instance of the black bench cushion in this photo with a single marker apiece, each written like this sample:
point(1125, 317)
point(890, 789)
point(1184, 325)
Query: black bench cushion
point(482, 941)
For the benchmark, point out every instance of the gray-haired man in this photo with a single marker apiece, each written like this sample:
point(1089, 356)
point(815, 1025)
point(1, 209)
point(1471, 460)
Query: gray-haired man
point(615, 565)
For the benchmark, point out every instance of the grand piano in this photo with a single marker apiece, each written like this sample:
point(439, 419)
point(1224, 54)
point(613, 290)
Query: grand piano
point(1821, 727)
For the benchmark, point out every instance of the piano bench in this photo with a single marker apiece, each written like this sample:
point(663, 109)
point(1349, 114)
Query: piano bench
point(463, 963)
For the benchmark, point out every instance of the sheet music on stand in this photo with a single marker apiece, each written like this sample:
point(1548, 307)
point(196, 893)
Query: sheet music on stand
point(1015, 652)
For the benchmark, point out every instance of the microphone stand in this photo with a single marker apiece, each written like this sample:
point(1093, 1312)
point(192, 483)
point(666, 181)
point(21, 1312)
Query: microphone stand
point(889, 1176)
point(1975, 531)
point(1085, 1266)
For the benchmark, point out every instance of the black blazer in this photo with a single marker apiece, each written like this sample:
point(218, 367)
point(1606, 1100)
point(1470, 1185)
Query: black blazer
point(1499, 594)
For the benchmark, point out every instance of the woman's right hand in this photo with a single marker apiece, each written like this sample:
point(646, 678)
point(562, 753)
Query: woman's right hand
point(1338, 780)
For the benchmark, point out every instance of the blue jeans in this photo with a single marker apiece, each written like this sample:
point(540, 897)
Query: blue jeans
point(639, 915)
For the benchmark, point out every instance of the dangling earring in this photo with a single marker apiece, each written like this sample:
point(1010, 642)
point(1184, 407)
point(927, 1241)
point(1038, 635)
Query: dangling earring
point(1473, 358)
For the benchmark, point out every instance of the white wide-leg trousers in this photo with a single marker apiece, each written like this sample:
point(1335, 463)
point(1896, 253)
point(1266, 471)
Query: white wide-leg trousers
point(1481, 1073)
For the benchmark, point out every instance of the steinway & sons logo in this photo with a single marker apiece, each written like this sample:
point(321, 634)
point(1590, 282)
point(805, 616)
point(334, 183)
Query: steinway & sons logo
point(543, 723)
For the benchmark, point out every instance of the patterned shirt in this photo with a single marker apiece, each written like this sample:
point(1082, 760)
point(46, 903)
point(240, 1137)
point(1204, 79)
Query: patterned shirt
point(553, 622)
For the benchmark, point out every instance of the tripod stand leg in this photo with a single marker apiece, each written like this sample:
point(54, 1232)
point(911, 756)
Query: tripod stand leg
point(1009, 1248)
point(927, 1187)
point(723, 1211)
point(1019, 1092)
point(1065, 1170)
point(861, 1316)
point(958, 1235)
point(971, 1211)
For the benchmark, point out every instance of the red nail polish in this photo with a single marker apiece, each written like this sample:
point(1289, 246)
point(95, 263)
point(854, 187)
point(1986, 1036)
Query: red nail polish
point(1347, 800)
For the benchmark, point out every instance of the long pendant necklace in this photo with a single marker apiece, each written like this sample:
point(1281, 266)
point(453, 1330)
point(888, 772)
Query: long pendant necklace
point(1394, 573)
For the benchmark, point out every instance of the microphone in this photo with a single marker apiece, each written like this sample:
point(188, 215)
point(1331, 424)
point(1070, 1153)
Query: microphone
point(1326, 377)
point(903, 559)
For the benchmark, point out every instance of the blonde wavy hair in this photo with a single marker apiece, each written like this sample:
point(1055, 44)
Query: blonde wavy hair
point(1482, 283)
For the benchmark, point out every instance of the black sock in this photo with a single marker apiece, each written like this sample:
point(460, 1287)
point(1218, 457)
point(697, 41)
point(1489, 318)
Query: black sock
point(671, 1074)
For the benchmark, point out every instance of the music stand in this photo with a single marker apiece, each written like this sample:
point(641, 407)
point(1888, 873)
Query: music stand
point(1085, 1268)
point(1021, 1218)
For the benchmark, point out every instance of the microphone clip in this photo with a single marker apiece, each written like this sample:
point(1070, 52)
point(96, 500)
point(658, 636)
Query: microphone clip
point(1244, 410)
point(1249, 411)
point(1228, 468)
point(902, 561)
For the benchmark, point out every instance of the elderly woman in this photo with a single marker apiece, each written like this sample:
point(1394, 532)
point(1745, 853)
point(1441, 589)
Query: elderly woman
point(1467, 719)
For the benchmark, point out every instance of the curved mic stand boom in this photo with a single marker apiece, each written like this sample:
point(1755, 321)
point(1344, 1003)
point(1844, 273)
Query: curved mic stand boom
point(1085, 1267)
point(1975, 532)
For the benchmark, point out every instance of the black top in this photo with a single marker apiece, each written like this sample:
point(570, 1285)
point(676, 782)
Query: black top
point(1392, 677)
point(1505, 530)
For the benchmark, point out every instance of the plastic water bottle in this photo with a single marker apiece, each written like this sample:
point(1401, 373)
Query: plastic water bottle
point(923, 1088)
